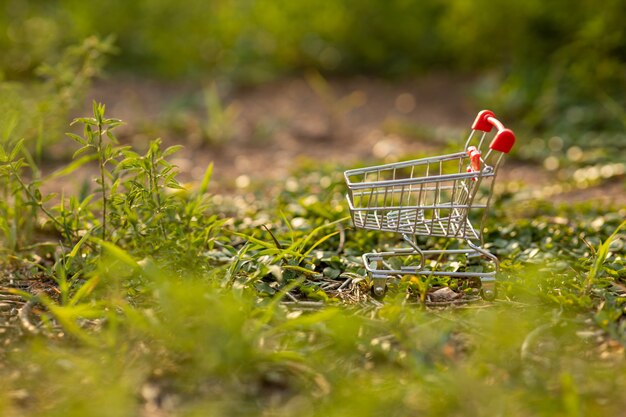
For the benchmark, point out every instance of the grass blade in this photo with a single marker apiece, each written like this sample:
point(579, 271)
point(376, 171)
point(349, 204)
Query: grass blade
point(602, 253)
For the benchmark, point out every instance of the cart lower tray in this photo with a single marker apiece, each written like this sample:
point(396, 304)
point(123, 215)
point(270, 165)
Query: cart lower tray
point(416, 222)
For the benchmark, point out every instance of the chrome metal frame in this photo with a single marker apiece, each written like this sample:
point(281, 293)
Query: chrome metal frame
point(434, 196)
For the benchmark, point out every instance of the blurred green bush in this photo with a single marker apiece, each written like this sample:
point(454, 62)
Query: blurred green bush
point(553, 63)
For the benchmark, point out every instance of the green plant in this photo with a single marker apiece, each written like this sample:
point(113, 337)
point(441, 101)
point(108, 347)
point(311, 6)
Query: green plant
point(601, 256)
point(220, 124)
point(282, 259)
point(98, 138)
point(19, 221)
point(142, 205)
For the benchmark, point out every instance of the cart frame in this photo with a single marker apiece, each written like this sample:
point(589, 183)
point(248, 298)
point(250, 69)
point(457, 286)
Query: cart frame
point(439, 196)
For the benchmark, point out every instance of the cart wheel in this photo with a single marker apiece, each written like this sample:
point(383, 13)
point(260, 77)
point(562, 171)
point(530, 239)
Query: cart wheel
point(378, 291)
point(489, 294)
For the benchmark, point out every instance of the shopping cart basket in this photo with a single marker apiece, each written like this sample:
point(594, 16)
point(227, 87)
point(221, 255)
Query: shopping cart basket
point(440, 196)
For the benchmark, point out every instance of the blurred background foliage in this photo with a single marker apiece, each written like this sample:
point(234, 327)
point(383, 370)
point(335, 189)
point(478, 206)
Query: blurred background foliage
point(556, 66)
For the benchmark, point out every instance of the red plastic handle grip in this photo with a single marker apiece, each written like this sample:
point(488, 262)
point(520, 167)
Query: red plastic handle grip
point(504, 139)
point(474, 156)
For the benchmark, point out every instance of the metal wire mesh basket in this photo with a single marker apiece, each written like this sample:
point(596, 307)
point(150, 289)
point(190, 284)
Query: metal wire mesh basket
point(442, 196)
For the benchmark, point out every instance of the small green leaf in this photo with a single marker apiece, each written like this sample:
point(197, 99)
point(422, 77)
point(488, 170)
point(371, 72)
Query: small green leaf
point(77, 138)
point(85, 120)
point(331, 273)
point(174, 184)
point(98, 112)
point(111, 136)
point(85, 289)
point(172, 150)
point(113, 122)
point(16, 149)
point(117, 253)
point(81, 151)
point(206, 179)
point(77, 247)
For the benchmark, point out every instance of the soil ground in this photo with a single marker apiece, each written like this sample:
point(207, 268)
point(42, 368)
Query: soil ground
point(274, 127)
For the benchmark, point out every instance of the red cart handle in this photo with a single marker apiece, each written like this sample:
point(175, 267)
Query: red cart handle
point(504, 139)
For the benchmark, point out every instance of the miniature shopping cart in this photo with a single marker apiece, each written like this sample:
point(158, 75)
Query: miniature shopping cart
point(440, 196)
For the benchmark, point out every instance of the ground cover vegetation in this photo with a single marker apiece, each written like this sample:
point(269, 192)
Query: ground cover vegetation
point(138, 294)
point(160, 297)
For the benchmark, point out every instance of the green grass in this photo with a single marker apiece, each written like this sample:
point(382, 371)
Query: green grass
point(144, 296)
